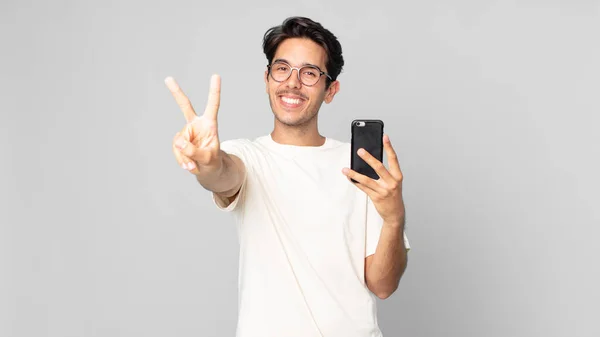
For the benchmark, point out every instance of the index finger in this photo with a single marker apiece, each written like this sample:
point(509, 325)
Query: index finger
point(392, 158)
point(184, 103)
point(214, 98)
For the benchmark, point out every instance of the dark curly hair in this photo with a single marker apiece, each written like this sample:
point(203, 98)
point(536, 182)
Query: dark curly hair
point(306, 28)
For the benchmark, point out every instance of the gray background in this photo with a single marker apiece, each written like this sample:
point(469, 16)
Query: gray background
point(492, 107)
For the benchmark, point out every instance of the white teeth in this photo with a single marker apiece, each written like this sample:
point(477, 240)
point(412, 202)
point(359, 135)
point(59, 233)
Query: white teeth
point(290, 100)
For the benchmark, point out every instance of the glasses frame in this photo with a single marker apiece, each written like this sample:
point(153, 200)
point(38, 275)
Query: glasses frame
point(321, 73)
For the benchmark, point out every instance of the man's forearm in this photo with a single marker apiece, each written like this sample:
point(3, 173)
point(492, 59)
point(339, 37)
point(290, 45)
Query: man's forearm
point(225, 179)
point(387, 265)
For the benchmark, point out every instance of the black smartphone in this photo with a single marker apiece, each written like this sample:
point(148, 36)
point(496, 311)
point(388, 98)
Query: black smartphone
point(366, 134)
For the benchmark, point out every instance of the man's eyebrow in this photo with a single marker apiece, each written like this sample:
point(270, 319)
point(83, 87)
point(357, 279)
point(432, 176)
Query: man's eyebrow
point(303, 64)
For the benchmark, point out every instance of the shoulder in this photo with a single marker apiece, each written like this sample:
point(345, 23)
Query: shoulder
point(337, 144)
point(245, 149)
point(338, 147)
point(239, 144)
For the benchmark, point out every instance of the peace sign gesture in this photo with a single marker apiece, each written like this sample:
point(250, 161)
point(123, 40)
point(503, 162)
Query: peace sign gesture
point(385, 192)
point(196, 146)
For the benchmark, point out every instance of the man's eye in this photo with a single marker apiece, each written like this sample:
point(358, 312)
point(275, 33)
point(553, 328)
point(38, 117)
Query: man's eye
point(310, 73)
point(281, 68)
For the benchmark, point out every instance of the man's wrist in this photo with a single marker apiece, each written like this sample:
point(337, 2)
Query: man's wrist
point(208, 176)
point(397, 224)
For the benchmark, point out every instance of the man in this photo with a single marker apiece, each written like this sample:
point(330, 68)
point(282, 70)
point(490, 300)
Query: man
point(315, 248)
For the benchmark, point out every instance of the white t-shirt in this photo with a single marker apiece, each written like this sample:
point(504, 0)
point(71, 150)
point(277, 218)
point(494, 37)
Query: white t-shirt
point(304, 232)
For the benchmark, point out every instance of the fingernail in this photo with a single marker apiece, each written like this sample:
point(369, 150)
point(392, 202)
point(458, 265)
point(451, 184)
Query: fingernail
point(171, 84)
point(361, 151)
point(183, 166)
point(191, 166)
point(180, 144)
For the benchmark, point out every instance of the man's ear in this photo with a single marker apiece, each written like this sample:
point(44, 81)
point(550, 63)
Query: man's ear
point(333, 89)
point(267, 81)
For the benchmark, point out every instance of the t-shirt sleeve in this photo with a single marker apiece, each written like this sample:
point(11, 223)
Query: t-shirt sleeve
point(373, 230)
point(238, 148)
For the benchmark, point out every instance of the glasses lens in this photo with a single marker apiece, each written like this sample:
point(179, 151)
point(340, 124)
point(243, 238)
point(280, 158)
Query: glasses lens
point(280, 71)
point(309, 75)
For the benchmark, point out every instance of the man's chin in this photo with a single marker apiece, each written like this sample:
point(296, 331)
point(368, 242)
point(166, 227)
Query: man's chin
point(291, 120)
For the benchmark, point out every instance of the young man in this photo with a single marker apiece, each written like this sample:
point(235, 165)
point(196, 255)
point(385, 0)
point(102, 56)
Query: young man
point(315, 248)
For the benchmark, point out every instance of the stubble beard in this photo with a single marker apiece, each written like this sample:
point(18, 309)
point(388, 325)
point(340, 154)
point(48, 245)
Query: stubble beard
point(304, 119)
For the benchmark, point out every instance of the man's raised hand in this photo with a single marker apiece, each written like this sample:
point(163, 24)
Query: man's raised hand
point(196, 146)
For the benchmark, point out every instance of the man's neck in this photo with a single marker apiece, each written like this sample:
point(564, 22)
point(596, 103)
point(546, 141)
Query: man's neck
point(306, 135)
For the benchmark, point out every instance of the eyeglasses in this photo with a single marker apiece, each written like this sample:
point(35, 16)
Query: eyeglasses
point(308, 75)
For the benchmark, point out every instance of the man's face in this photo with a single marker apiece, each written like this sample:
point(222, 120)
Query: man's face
point(292, 102)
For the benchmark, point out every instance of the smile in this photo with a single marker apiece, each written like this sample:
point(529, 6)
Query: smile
point(291, 102)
